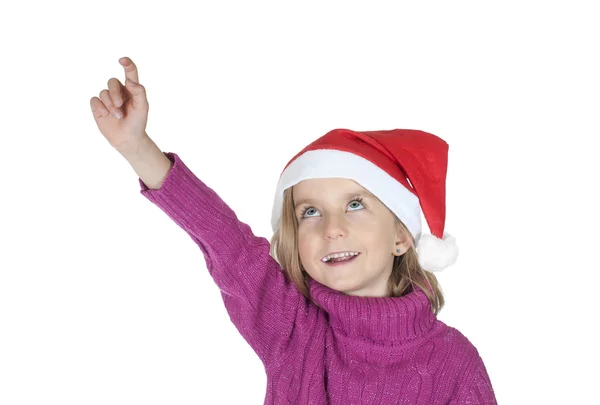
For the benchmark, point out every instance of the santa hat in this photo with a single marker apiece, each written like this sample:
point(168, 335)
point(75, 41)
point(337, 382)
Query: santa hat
point(404, 168)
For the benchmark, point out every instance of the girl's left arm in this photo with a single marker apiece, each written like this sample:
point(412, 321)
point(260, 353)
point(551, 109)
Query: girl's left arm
point(261, 303)
point(479, 389)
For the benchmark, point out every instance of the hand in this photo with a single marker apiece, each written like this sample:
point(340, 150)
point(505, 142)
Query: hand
point(121, 112)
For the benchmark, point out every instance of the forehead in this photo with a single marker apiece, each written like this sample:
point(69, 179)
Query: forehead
point(316, 189)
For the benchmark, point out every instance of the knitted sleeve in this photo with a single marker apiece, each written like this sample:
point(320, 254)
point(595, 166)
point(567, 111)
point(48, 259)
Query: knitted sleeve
point(479, 390)
point(260, 301)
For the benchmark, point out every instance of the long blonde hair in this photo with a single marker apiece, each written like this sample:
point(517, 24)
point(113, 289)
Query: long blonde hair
point(406, 270)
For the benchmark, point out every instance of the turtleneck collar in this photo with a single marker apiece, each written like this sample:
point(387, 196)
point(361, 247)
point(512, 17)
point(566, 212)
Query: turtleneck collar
point(384, 319)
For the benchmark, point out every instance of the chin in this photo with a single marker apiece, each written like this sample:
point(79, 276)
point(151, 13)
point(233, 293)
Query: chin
point(345, 286)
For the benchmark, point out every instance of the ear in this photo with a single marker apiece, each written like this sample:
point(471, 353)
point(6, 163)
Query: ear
point(403, 242)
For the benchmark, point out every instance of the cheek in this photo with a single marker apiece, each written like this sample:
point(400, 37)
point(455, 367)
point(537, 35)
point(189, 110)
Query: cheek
point(364, 224)
point(304, 244)
point(363, 218)
point(377, 234)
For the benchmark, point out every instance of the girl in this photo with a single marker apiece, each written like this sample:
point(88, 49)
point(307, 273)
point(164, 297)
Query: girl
point(341, 304)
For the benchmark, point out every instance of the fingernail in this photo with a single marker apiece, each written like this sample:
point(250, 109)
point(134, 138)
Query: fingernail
point(118, 114)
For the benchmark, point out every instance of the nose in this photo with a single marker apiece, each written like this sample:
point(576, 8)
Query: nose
point(334, 226)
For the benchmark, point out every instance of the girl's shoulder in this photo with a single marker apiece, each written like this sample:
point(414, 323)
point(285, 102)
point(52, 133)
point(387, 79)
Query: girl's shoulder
point(453, 341)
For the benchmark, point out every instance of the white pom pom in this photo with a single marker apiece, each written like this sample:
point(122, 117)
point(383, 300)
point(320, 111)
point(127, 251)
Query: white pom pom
point(436, 254)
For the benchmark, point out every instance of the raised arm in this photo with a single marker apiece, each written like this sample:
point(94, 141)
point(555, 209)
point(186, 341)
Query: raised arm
point(261, 303)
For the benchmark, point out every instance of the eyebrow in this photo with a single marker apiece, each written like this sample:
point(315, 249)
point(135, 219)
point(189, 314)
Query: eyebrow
point(358, 193)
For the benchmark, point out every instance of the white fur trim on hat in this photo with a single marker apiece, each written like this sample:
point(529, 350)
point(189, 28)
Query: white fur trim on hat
point(327, 163)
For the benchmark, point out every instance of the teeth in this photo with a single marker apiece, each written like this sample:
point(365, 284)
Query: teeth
point(336, 255)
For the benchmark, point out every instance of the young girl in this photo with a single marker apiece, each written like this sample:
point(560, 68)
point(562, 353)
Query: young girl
point(341, 305)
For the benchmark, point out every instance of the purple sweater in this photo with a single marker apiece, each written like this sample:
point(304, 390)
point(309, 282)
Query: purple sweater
point(345, 350)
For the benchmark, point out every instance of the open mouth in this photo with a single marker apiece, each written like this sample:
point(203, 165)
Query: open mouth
point(340, 261)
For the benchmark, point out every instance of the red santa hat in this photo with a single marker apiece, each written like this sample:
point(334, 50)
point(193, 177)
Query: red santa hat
point(404, 168)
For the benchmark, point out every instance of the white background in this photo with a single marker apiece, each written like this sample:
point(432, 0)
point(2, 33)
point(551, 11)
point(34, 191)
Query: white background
point(103, 300)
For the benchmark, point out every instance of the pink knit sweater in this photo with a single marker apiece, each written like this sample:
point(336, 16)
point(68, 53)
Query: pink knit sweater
point(345, 350)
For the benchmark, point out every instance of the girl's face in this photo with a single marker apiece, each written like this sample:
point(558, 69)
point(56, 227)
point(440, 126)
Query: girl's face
point(338, 215)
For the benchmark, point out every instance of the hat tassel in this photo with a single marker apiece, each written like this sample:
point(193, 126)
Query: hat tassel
point(436, 254)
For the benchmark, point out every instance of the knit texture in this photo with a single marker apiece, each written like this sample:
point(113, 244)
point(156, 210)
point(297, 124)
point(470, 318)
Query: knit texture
point(340, 350)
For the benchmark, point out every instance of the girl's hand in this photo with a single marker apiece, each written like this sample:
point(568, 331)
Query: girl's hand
point(121, 112)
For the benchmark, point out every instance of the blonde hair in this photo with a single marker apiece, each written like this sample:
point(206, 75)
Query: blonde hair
point(406, 270)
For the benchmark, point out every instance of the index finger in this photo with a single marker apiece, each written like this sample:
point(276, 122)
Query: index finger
point(131, 71)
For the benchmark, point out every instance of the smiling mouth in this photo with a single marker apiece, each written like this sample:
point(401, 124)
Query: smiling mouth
point(340, 261)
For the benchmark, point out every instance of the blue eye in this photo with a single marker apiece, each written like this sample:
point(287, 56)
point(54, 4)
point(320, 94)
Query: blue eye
point(356, 201)
point(308, 209)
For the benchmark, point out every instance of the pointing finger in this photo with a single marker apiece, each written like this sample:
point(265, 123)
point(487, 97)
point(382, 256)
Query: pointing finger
point(131, 71)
